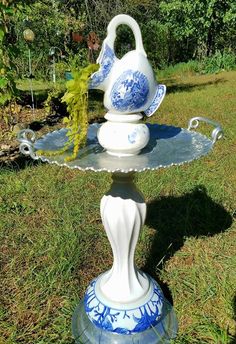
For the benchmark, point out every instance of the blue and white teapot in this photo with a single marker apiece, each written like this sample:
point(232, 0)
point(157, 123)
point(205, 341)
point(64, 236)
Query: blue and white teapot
point(129, 83)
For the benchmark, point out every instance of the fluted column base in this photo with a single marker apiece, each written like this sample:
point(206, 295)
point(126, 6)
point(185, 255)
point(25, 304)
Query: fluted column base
point(124, 305)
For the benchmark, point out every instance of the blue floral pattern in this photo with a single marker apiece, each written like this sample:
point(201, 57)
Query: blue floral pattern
point(125, 321)
point(130, 91)
point(107, 61)
point(133, 136)
point(160, 94)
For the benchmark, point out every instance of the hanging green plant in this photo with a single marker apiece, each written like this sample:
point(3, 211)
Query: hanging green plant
point(76, 99)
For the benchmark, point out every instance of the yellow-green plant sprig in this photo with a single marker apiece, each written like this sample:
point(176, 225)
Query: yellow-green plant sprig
point(76, 98)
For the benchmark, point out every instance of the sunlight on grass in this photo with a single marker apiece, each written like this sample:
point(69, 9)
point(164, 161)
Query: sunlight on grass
point(39, 85)
point(53, 243)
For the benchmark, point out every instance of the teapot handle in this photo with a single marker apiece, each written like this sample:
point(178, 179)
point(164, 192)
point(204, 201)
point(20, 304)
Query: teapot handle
point(127, 20)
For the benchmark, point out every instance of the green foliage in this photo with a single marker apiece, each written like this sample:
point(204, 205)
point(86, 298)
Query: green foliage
point(72, 63)
point(173, 31)
point(100, 12)
point(7, 83)
point(180, 69)
point(53, 101)
point(124, 40)
point(9, 116)
point(155, 39)
point(200, 25)
point(76, 99)
point(52, 22)
point(218, 62)
point(78, 60)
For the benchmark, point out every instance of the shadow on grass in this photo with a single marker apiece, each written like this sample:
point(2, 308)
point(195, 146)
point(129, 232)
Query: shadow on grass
point(173, 88)
point(176, 218)
point(59, 111)
point(19, 163)
point(39, 97)
point(50, 121)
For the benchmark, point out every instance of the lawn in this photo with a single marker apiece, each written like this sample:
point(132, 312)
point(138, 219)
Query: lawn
point(52, 242)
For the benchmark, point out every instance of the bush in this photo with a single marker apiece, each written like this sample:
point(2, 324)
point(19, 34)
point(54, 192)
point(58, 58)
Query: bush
point(155, 39)
point(180, 69)
point(219, 61)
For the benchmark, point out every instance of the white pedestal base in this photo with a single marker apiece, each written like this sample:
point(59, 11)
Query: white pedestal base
point(124, 303)
point(123, 212)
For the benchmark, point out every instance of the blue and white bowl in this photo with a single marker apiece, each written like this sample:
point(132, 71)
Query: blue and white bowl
point(124, 321)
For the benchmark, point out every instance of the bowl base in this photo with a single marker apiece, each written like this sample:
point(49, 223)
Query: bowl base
point(123, 135)
point(84, 331)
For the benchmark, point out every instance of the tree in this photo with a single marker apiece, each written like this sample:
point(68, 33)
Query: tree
point(100, 12)
point(7, 84)
point(52, 21)
point(200, 23)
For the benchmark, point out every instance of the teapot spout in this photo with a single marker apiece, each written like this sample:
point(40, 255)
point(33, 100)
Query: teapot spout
point(106, 59)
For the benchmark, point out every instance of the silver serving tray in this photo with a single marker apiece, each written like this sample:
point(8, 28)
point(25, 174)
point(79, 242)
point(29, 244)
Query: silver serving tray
point(168, 146)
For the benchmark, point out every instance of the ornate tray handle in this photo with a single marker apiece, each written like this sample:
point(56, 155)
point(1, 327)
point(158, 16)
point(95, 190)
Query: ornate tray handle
point(27, 138)
point(217, 132)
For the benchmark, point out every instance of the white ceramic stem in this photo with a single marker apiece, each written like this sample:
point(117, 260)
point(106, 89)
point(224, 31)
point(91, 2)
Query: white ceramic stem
point(123, 212)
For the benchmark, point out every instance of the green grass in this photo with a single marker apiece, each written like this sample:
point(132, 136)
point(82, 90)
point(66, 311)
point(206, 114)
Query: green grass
point(50, 224)
point(182, 68)
point(39, 85)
